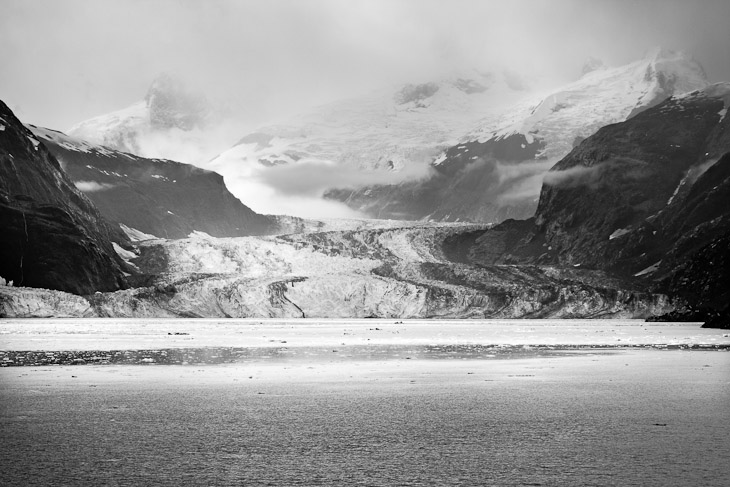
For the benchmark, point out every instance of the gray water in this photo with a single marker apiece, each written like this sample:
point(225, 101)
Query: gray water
point(512, 431)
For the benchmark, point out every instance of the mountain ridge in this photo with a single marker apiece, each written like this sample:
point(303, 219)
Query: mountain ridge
point(53, 236)
point(643, 199)
point(160, 197)
point(535, 133)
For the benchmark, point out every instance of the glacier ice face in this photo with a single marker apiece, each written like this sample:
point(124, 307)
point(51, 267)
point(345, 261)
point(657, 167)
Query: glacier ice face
point(25, 302)
point(386, 272)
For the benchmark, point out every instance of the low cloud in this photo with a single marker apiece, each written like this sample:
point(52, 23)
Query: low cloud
point(197, 146)
point(523, 181)
point(508, 172)
point(269, 201)
point(313, 178)
point(92, 186)
point(297, 189)
point(525, 189)
point(694, 173)
point(573, 176)
point(615, 169)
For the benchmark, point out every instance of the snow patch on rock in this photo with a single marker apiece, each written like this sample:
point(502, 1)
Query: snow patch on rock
point(619, 233)
point(136, 235)
point(651, 269)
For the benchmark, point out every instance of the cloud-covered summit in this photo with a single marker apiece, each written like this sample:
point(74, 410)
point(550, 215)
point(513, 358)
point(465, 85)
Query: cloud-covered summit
point(64, 62)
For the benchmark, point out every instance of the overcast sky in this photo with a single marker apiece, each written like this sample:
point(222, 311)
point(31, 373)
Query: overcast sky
point(62, 61)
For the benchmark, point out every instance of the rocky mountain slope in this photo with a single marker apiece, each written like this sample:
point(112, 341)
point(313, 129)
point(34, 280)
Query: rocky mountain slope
point(601, 204)
point(639, 174)
point(397, 272)
point(52, 235)
point(646, 199)
point(697, 266)
point(155, 196)
point(495, 172)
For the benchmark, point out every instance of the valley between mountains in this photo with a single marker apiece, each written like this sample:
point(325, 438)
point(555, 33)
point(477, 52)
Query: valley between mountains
point(631, 220)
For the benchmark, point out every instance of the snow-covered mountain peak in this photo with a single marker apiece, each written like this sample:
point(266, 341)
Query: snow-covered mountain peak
point(600, 97)
point(171, 104)
point(172, 121)
point(117, 129)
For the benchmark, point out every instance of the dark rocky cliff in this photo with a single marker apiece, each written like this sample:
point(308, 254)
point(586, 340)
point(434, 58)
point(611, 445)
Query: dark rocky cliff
point(160, 197)
point(53, 237)
point(696, 266)
point(645, 200)
point(622, 177)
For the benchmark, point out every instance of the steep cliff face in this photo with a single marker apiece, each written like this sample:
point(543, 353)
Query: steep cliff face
point(629, 172)
point(697, 266)
point(699, 218)
point(159, 197)
point(53, 237)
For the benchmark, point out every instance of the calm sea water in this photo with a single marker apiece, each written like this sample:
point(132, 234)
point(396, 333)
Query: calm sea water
point(505, 429)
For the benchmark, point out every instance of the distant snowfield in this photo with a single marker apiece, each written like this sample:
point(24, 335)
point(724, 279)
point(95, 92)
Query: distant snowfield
point(154, 334)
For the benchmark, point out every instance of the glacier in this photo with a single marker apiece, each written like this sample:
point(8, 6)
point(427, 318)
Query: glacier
point(372, 272)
